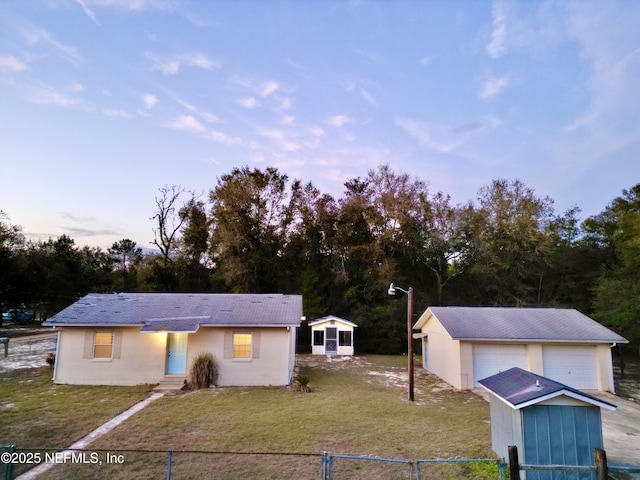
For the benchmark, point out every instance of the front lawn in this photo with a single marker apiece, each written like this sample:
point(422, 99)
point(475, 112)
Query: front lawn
point(356, 407)
point(36, 413)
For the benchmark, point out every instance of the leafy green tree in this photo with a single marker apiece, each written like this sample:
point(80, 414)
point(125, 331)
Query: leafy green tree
point(447, 246)
point(511, 224)
point(309, 246)
point(250, 218)
point(127, 254)
point(617, 292)
point(12, 243)
point(195, 232)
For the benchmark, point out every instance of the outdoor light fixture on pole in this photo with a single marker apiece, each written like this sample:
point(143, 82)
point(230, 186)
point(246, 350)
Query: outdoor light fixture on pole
point(392, 291)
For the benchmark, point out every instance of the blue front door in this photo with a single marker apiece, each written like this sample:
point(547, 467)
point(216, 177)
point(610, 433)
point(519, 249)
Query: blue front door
point(176, 353)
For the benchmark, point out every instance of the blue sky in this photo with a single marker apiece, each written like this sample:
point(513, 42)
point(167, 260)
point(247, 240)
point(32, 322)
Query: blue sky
point(102, 102)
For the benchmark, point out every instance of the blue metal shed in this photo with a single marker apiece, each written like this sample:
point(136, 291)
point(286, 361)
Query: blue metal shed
point(550, 423)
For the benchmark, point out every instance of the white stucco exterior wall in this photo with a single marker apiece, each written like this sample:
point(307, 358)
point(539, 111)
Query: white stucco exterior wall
point(143, 356)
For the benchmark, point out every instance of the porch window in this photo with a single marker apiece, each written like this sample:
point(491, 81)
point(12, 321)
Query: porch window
point(242, 345)
point(103, 345)
point(344, 338)
point(318, 338)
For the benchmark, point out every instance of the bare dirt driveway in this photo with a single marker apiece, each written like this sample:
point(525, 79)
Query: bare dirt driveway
point(28, 351)
point(621, 431)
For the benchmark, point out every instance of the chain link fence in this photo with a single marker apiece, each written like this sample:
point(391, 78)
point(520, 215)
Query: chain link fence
point(55, 464)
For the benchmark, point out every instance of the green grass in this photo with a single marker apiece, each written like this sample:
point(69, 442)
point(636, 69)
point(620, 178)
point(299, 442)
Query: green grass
point(34, 412)
point(357, 407)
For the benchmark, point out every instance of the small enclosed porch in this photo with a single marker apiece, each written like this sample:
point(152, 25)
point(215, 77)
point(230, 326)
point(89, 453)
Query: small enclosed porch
point(332, 335)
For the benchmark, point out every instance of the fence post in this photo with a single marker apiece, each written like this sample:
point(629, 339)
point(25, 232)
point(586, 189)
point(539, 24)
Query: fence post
point(324, 466)
point(514, 463)
point(600, 458)
point(170, 464)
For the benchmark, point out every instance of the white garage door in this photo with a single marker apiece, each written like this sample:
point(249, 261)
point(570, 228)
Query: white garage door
point(573, 366)
point(491, 359)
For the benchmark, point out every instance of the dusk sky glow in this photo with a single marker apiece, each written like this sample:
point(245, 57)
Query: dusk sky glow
point(102, 102)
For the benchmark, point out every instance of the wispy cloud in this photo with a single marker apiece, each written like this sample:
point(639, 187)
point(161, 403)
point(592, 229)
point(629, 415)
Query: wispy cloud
point(445, 138)
point(425, 134)
point(426, 60)
point(368, 97)
point(362, 88)
point(288, 120)
point(285, 140)
point(134, 5)
point(497, 46)
point(12, 64)
point(87, 11)
point(189, 123)
point(221, 137)
point(285, 104)
point(269, 88)
point(609, 123)
point(206, 116)
point(339, 120)
point(186, 122)
point(76, 218)
point(249, 103)
point(149, 100)
point(171, 64)
point(50, 96)
point(110, 112)
point(493, 86)
point(39, 36)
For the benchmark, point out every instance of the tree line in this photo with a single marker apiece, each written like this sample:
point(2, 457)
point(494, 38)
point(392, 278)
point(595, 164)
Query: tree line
point(259, 232)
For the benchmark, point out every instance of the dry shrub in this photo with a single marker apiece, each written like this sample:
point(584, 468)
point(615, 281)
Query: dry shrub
point(204, 371)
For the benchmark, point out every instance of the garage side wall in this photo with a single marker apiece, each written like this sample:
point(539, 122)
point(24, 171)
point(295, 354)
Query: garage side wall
point(604, 364)
point(444, 354)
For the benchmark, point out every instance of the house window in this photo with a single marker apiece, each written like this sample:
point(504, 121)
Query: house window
point(242, 345)
point(344, 338)
point(318, 337)
point(103, 345)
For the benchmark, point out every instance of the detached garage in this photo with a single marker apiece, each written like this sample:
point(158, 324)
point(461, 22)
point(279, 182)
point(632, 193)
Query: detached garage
point(463, 345)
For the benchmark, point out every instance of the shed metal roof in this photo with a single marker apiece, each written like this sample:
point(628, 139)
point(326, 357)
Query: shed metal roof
point(518, 324)
point(520, 388)
point(181, 311)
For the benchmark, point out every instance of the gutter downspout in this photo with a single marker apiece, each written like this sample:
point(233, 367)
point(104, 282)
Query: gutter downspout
point(613, 378)
point(55, 365)
point(288, 379)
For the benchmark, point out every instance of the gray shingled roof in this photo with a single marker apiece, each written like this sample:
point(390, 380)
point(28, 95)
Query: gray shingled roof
point(181, 311)
point(530, 324)
point(520, 388)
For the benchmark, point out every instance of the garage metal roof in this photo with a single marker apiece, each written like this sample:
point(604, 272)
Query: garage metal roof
point(519, 388)
point(181, 312)
point(525, 324)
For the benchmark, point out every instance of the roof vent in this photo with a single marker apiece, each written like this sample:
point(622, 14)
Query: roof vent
point(538, 384)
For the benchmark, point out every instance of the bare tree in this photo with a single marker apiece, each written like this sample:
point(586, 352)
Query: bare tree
point(169, 217)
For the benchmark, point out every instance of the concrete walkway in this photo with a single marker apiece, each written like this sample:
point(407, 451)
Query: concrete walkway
point(97, 433)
